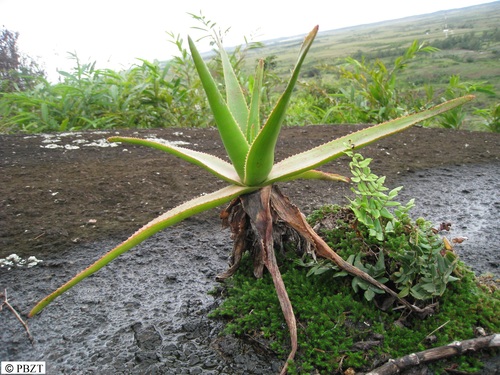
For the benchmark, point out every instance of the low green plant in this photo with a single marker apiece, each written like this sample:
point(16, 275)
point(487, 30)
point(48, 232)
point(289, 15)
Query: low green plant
point(256, 203)
point(371, 204)
point(393, 248)
point(378, 83)
point(456, 118)
point(426, 268)
point(491, 117)
point(327, 308)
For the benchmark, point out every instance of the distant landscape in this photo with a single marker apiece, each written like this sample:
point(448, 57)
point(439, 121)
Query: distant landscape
point(468, 39)
point(363, 74)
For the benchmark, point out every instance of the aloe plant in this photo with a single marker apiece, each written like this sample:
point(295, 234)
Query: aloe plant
point(256, 202)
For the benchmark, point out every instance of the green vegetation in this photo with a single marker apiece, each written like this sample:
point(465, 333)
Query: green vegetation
point(408, 255)
point(338, 329)
point(465, 44)
point(451, 31)
point(365, 74)
point(371, 205)
point(147, 95)
point(491, 117)
point(251, 174)
point(344, 322)
point(371, 91)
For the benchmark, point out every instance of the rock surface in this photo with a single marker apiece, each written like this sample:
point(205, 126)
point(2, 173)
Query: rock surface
point(67, 200)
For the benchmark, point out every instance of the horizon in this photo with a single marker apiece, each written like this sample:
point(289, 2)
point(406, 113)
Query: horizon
point(115, 34)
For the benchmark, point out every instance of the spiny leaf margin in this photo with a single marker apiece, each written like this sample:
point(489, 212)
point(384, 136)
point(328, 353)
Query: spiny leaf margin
point(233, 138)
point(210, 163)
point(260, 157)
point(171, 217)
point(286, 169)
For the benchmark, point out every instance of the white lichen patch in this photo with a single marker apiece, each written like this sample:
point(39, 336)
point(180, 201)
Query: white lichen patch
point(71, 147)
point(52, 141)
point(14, 260)
point(52, 145)
point(165, 141)
point(101, 143)
point(56, 141)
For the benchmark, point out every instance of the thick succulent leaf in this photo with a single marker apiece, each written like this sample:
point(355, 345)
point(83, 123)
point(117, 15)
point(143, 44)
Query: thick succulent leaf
point(233, 138)
point(211, 163)
point(234, 94)
point(253, 123)
point(295, 165)
point(261, 155)
point(175, 215)
point(314, 174)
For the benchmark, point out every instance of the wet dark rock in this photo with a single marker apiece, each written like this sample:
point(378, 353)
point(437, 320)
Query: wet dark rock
point(147, 312)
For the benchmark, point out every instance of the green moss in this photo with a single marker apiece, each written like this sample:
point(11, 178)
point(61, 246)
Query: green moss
point(338, 329)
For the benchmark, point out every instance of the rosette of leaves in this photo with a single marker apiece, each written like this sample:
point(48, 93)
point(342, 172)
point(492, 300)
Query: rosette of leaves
point(256, 203)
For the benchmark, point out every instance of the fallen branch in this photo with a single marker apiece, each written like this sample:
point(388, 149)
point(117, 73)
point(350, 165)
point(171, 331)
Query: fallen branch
point(394, 366)
point(6, 303)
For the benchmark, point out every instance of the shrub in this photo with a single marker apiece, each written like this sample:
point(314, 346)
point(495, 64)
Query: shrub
point(390, 247)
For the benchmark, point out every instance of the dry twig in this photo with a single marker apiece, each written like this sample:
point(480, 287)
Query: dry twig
point(395, 366)
point(16, 314)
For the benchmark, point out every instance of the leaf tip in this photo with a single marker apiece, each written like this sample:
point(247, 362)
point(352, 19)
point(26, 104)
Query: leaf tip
point(312, 33)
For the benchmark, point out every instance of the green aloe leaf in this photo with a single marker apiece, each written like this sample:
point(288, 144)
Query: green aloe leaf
point(211, 163)
point(253, 123)
point(261, 154)
point(299, 163)
point(175, 215)
point(234, 94)
point(319, 175)
point(233, 138)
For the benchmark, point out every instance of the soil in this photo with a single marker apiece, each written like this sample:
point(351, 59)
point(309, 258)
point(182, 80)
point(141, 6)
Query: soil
point(68, 198)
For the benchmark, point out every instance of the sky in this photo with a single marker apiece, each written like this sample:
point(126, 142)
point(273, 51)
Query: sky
point(115, 33)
